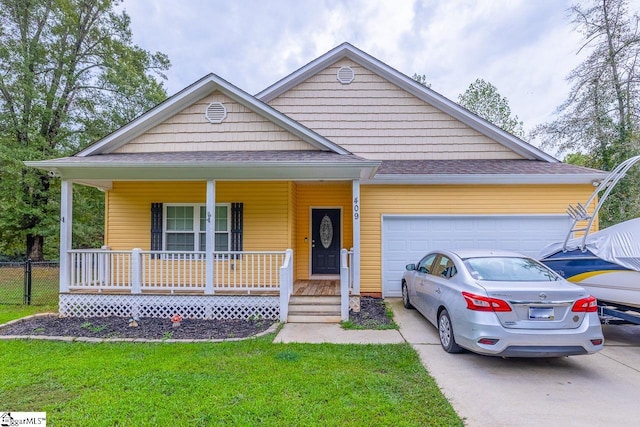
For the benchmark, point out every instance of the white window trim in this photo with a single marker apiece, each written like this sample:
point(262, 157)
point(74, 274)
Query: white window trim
point(196, 224)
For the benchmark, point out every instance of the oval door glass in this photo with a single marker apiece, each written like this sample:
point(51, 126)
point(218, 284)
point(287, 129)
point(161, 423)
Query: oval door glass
point(326, 231)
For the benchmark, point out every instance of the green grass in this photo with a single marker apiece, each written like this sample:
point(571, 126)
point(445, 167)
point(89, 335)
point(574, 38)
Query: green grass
point(11, 312)
point(233, 383)
point(44, 285)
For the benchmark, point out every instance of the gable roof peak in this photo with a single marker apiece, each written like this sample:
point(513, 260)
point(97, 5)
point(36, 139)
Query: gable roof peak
point(193, 93)
point(428, 95)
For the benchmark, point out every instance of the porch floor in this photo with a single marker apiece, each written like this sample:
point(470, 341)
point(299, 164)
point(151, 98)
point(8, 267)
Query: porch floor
point(316, 287)
point(300, 288)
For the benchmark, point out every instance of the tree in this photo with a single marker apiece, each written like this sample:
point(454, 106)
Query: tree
point(483, 99)
point(422, 79)
point(69, 75)
point(600, 115)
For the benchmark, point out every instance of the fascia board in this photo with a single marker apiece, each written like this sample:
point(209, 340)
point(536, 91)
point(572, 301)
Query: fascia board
point(487, 179)
point(194, 93)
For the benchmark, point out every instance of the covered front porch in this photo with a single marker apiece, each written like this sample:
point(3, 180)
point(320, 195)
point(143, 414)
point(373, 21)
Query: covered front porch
point(178, 241)
point(258, 244)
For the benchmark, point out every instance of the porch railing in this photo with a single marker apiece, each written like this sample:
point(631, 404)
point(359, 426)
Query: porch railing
point(138, 271)
point(99, 269)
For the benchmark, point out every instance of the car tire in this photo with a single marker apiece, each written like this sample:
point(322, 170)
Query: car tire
point(405, 296)
point(445, 331)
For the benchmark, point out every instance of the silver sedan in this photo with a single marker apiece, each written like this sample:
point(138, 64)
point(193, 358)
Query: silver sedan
point(502, 304)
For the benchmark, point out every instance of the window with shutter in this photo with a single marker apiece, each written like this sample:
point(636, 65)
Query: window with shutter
point(182, 227)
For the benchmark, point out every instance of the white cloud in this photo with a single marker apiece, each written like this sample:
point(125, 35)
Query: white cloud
point(525, 48)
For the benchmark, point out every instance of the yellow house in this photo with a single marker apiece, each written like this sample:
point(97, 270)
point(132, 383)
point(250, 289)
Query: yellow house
point(293, 203)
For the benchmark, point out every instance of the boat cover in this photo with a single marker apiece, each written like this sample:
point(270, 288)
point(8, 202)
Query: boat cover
point(619, 244)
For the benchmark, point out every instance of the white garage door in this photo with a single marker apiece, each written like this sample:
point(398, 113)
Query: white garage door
point(406, 239)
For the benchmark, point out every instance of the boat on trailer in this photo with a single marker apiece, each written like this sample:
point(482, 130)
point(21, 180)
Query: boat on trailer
point(607, 262)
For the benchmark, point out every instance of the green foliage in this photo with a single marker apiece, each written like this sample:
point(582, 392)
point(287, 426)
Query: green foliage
point(253, 382)
point(483, 99)
point(422, 79)
point(71, 74)
point(601, 115)
point(578, 159)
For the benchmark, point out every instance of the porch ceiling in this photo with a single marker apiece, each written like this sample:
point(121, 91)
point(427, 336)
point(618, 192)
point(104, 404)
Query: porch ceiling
point(100, 170)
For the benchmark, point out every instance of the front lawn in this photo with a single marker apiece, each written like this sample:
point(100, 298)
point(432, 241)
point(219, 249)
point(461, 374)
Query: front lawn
point(12, 311)
point(233, 383)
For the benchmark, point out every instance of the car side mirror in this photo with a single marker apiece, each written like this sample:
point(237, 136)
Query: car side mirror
point(410, 267)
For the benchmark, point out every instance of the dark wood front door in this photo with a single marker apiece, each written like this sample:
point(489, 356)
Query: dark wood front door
point(325, 241)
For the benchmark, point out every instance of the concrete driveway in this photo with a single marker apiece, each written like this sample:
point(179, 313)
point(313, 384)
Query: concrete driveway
point(602, 389)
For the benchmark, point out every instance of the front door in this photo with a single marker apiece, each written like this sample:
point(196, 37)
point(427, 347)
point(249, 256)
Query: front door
point(325, 241)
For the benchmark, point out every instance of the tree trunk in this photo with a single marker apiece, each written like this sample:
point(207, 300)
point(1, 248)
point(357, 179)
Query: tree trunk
point(34, 247)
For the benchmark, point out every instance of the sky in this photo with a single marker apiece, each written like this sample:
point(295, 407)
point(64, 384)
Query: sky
point(526, 48)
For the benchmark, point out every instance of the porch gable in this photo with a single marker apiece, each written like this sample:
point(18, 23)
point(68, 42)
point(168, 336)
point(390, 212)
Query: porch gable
point(189, 130)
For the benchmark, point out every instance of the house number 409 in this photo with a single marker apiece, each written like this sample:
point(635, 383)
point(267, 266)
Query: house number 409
point(356, 208)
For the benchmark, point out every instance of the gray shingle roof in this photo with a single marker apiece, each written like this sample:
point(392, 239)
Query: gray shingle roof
point(480, 167)
point(208, 157)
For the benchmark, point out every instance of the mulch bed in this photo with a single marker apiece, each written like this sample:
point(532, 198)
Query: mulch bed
point(148, 328)
point(372, 313)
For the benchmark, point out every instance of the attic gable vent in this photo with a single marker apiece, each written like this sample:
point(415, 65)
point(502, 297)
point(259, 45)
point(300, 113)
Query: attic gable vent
point(216, 112)
point(346, 75)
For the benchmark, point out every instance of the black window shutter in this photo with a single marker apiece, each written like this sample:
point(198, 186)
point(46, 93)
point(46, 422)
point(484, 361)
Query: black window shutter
point(236, 227)
point(156, 226)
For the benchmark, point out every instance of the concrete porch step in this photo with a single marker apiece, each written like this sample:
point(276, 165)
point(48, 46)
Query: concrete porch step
point(321, 318)
point(300, 300)
point(314, 309)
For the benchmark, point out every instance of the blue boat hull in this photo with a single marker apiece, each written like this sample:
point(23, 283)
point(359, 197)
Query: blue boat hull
point(605, 280)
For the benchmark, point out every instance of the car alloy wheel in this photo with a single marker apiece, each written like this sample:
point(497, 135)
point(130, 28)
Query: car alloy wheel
point(405, 296)
point(445, 330)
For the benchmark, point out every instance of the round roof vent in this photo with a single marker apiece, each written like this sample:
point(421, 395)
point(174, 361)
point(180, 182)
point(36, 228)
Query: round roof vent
point(346, 75)
point(216, 112)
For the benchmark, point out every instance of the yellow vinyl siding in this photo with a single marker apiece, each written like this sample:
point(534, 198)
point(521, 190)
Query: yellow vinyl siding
point(189, 130)
point(265, 218)
point(373, 118)
point(378, 200)
point(320, 195)
point(293, 214)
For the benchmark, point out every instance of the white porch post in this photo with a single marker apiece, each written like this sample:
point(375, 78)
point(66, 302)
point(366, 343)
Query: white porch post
point(66, 220)
point(355, 193)
point(210, 235)
point(136, 271)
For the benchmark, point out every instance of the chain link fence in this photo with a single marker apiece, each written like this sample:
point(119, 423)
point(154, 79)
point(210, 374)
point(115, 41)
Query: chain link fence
point(29, 282)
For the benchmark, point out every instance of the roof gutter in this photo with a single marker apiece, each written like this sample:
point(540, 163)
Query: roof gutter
point(493, 179)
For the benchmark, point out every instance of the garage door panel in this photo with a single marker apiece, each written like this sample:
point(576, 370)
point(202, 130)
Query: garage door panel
point(407, 239)
point(397, 245)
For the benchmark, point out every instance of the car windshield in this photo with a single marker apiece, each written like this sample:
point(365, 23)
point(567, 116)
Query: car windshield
point(509, 269)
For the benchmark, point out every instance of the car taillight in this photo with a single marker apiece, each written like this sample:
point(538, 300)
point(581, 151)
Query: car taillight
point(585, 305)
point(482, 303)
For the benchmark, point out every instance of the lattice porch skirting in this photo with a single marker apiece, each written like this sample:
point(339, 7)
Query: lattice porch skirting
point(354, 303)
point(187, 306)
